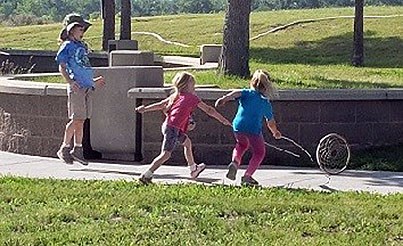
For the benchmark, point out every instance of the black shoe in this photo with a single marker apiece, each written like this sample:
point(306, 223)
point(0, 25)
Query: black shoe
point(64, 155)
point(249, 181)
point(77, 154)
point(232, 170)
point(145, 181)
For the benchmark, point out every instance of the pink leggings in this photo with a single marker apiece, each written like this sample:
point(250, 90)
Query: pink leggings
point(258, 149)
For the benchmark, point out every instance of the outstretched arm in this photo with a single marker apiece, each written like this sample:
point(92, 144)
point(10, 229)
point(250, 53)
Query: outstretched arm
point(153, 107)
point(213, 113)
point(230, 96)
point(271, 124)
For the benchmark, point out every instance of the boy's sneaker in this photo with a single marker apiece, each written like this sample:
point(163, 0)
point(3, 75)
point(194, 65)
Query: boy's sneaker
point(199, 169)
point(144, 180)
point(232, 170)
point(249, 181)
point(64, 154)
point(77, 154)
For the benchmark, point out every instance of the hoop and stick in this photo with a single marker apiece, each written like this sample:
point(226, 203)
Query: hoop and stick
point(332, 153)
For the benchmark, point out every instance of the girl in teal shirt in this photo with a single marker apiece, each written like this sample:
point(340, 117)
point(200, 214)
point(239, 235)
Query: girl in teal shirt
point(254, 107)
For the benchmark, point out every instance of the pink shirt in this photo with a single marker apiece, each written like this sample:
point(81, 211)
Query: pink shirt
point(178, 115)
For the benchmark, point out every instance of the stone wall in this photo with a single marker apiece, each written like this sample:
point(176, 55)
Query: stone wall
point(366, 118)
point(33, 117)
point(32, 124)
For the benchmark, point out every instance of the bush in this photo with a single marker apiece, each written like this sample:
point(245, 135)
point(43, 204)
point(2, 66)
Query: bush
point(9, 67)
point(23, 20)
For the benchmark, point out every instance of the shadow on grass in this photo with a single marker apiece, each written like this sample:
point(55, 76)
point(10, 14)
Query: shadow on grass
point(338, 83)
point(156, 176)
point(371, 178)
point(176, 176)
point(336, 50)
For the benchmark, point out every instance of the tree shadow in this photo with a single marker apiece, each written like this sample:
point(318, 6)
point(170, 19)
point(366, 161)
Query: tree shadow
point(370, 178)
point(335, 50)
point(156, 176)
point(340, 83)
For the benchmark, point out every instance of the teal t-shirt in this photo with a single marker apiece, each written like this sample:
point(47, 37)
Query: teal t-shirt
point(253, 107)
point(75, 55)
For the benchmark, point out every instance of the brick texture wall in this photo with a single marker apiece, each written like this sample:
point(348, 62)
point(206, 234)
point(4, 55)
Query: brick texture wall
point(364, 124)
point(34, 124)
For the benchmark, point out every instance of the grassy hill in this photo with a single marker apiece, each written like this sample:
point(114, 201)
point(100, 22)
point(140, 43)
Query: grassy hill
point(311, 55)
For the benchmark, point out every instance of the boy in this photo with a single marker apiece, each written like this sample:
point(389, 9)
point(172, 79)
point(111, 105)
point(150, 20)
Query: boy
point(75, 68)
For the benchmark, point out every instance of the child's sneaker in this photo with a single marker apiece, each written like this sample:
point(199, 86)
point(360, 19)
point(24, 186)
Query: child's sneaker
point(232, 170)
point(144, 180)
point(64, 154)
point(77, 154)
point(199, 169)
point(249, 181)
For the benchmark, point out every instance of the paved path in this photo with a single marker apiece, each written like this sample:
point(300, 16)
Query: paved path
point(268, 176)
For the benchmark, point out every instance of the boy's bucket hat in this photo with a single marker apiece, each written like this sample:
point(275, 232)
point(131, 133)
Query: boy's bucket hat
point(73, 17)
point(70, 19)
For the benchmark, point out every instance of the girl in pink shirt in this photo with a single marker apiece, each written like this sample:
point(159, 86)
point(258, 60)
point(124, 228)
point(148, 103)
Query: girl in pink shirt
point(178, 107)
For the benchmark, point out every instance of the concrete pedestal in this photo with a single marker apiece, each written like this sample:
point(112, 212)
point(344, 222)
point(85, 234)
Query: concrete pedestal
point(113, 123)
point(131, 58)
point(122, 45)
point(209, 53)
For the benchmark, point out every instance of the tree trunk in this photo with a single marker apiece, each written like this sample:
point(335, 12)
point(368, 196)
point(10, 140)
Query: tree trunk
point(108, 16)
point(358, 56)
point(234, 58)
point(125, 20)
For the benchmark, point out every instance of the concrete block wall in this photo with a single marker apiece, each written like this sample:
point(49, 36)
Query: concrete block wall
point(32, 124)
point(33, 117)
point(365, 118)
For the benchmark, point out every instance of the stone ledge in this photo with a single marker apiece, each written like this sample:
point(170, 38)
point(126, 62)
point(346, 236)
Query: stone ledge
point(12, 86)
point(285, 95)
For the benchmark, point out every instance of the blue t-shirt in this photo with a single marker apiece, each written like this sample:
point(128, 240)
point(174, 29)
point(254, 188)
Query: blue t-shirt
point(75, 55)
point(253, 107)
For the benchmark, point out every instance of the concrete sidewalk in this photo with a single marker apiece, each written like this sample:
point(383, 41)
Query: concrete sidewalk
point(268, 176)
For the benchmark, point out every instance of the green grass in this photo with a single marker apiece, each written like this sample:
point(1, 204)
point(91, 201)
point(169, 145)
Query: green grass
point(55, 212)
point(311, 55)
point(389, 158)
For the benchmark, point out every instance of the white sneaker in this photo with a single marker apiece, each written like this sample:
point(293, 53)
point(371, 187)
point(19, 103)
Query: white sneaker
point(199, 169)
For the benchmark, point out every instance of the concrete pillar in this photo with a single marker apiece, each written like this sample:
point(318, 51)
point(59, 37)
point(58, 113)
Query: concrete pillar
point(122, 45)
point(113, 122)
point(131, 58)
point(209, 53)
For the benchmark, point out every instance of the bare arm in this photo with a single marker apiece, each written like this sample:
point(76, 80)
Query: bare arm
point(65, 75)
point(271, 124)
point(153, 107)
point(99, 81)
point(213, 113)
point(230, 96)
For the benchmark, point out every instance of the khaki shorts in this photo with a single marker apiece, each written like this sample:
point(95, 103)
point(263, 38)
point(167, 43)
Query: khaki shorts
point(79, 104)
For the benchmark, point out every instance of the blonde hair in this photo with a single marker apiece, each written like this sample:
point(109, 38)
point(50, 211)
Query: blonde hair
point(180, 83)
point(263, 83)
